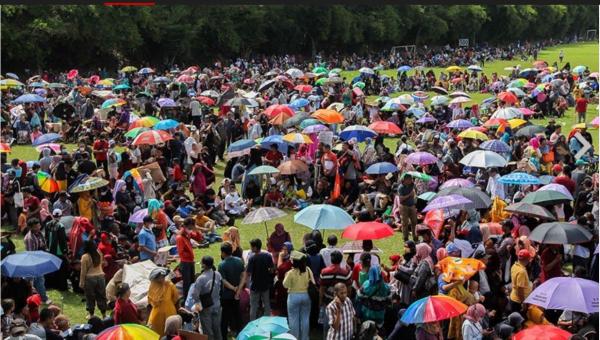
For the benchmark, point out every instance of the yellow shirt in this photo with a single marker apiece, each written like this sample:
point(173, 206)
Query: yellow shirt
point(297, 282)
point(201, 221)
point(519, 279)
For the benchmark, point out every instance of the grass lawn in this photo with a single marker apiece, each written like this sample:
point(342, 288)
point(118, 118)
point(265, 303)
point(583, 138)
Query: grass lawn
point(585, 54)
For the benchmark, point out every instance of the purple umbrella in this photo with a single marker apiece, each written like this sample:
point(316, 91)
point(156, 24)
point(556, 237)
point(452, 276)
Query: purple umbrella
point(446, 202)
point(457, 182)
point(426, 119)
point(460, 124)
point(166, 102)
point(138, 216)
point(566, 293)
point(315, 128)
point(495, 145)
point(498, 85)
point(421, 158)
point(557, 187)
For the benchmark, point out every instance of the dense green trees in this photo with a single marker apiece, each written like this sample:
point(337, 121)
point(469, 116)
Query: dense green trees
point(61, 37)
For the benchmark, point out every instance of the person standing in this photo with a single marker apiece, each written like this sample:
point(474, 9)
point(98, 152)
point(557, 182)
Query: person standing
point(260, 270)
point(186, 253)
point(340, 313)
point(196, 112)
point(297, 282)
point(101, 152)
point(34, 240)
point(207, 291)
point(232, 273)
point(408, 210)
point(163, 297)
point(521, 286)
point(581, 107)
point(91, 279)
point(57, 245)
point(147, 240)
point(330, 276)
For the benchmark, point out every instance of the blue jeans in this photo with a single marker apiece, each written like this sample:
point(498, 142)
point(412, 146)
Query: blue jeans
point(40, 285)
point(298, 306)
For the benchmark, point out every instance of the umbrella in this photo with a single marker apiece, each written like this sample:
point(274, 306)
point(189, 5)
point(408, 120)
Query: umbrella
point(507, 113)
point(460, 100)
point(129, 69)
point(530, 130)
point(453, 69)
point(128, 331)
point(360, 132)
point(460, 124)
point(405, 99)
point(474, 68)
point(295, 73)
point(138, 216)
point(457, 182)
point(46, 138)
point(427, 196)
point(381, 168)
point(64, 111)
point(516, 122)
point(528, 209)
point(4, 148)
point(297, 138)
point(30, 264)
point(166, 124)
point(557, 187)
point(272, 325)
point(29, 98)
point(528, 72)
point(335, 106)
point(135, 131)
point(420, 95)
point(267, 336)
point(404, 68)
point(113, 103)
point(422, 176)
point(479, 199)
point(10, 83)
point(276, 109)
point(262, 215)
point(359, 84)
point(266, 85)
point(392, 105)
point(72, 74)
point(309, 122)
point(433, 308)
point(152, 137)
point(121, 87)
point(579, 69)
point(314, 128)
point(519, 178)
point(596, 122)
point(240, 147)
point(456, 268)
point(517, 92)
point(507, 97)
point(328, 116)
point(323, 216)
point(447, 202)
point(210, 93)
point(434, 219)
point(560, 233)
point(12, 75)
point(206, 100)
point(320, 70)
point(526, 111)
point(366, 70)
point(166, 102)
point(264, 170)
point(292, 167)
point(146, 70)
point(367, 231)
point(282, 145)
point(483, 159)
point(542, 332)
point(566, 293)
point(495, 145)
point(457, 94)
point(546, 179)
point(439, 100)
point(146, 122)
point(439, 90)
point(384, 127)
point(299, 103)
point(46, 182)
point(90, 183)
point(546, 197)
point(425, 120)
point(421, 158)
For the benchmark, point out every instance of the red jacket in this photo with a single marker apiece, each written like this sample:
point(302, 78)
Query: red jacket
point(184, 248)
point(125, 312)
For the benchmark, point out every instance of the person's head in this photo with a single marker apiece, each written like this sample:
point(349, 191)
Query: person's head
point(148, 221)
point(255, 245)
point(407, 180)
point(453, 250)
point(336, 257)
point(507, 226)
point(173, 324)
point(208, 263)
point(524, 256)
point(298, 260)
point(279, 229)
point(365, 260)
point(8, 306)
point(158, 275)
point(62, 322)
point(332, 240)
point(473, 286)
point(273, 147)
point(47, 317)
point(341, 291)
point(34, 225)
point(189, 224)
point(226, 250)
point(409, 247)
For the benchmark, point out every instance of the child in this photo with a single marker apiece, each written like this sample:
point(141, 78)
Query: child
point(474, 289)
point(8, 307)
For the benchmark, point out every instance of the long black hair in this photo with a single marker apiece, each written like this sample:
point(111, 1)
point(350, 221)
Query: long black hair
point(89, 247)
point(300, 264)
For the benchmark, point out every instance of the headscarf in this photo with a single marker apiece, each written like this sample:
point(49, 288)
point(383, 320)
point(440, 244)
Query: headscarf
point(154, 207)
point(80, 225)
point(45, 209)
point(173, 324)
point(374, 274)
point(534, 143)
point(423, 254)
point(232, 235)
point(475, 312)
point(158, 272)
point(441, 254)
point(118, 185)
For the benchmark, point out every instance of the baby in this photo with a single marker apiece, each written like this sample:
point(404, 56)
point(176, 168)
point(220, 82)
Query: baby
point(474, 289)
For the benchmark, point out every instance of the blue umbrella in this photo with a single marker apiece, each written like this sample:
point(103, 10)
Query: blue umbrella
point(391, 106)
point(526, 73)
point(546, 179)
point(577, 69)
point(404, 68)
point(29, 98)
point(241, 145)
point(360, 132)
point(355, 79)
point(271, 325)
point(381, 168)
point(308, 122)
point(495, 145)
point(489, 100)
point(161, 80)
point(36, 84)
point(30, 264)
point(460, 124)
point(46, 138)
point(417, 112)
point(166, 124)
point(323, 216)
point(12, 75)
point(300, 102)
point(282, 145)
point(518, 178)
point(146, 70)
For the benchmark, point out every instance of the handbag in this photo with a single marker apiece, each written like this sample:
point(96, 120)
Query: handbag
point(18, 198)
point(312, 290)
point(206, 299)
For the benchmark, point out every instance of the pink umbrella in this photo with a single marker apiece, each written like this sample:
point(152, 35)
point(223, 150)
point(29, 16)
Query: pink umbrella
point(138, 216)
point(526, 111)
point(541, 97)
point(596, 122)
point(315, 128)
point(457, 182)
point(72, 74)
point(421, 158)
point(94, 79)
point(53, 146)
point(184, 78)
point(557, 187)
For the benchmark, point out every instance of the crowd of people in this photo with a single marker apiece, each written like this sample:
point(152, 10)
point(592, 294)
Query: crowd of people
point(145, 175)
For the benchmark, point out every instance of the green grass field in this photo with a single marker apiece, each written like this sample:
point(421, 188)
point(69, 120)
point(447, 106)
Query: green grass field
point(584, 54)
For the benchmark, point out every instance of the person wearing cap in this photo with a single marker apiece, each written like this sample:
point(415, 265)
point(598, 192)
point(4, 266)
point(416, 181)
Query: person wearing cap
point(63, 204)
point(57, 245)
point(147, 240)
point(521, 285)
point(186, 253)
point(208, 286)
point(163, 297)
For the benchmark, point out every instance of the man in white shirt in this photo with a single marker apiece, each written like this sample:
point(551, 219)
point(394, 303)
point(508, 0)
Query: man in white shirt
point(494, 188)
point(234, 204)
point(331, 246)
point(196, 112)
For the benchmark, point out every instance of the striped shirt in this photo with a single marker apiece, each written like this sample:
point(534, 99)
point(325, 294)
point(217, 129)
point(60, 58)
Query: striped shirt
point(346, 330)
point(34, 241)
point(330, 276)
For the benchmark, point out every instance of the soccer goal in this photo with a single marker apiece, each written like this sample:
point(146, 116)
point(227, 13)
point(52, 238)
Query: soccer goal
point(591, 35)
point(409, 49)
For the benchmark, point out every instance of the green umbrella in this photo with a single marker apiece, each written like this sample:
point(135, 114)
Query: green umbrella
point(359, 84)
point(264, 170)
point(143, 94)
point(427, 196)
point(321, 81)
point(546, 197)
point(121, 87)
point(320, 70)
point(90, 183)
point(419, 175)
point(308, 122)
point(135, 131)
point(336, 71)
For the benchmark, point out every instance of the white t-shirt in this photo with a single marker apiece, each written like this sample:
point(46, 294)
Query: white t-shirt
point(195, 107)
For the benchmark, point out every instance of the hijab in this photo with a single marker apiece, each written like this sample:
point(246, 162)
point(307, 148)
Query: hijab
point(118, 185)
point(374, 274)
point(154, 207)
point(475, 313)
point(423, 254)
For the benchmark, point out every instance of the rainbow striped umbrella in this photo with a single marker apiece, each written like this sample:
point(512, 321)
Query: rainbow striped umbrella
point(147, 122)
point(46, 182)
point(135, 131)
point(113, 103)
point(433, 308)
point(128, 331)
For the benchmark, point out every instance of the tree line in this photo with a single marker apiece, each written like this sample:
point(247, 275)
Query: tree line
point(89, 36)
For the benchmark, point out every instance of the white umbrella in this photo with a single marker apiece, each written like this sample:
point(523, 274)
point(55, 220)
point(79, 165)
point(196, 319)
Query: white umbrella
point(483, 159)
point(508, 113)
point(262, 215)
point(295, 73)
point(366, 70)
point(460, 100)
point(405, 99)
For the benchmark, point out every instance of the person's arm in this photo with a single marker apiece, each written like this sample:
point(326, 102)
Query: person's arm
point(84, 270)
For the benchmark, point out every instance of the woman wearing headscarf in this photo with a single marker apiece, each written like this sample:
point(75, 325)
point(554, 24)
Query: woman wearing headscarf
point(123, 201)
point(373, 297)
point(401, 276)
point(81, 231)
point(460, 293)
point(472, 329)
point(162, 296)
point(423, 272)
point(172, 326)
point(277, 240)
point(284, 265)
point(85, 205)
point(232, 236)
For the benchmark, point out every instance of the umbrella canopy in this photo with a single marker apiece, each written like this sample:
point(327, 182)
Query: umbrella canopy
point(367, 231)
point(385, 127)
point(240, 147)
point(4, 148)
point(138, 216)
point(292, 167)
point(135, 131)
point(166, 124)
point(405, 99)
point(479, 199)
point(166, 102)
point(381, 168)
point(146, 122)
point(152, 137)
point(483, 159)
point(323, 216)
point(460, 100)
point(276, 109)
point(404, 68)
point(460, 124)
point(29, 98)
point(456, 268)
point(421, 158)
point(128, 331)
point(300, 102)
point(295, 73)
point(114, 102)
point(422, 176)
point(557, 187)
point(507, 97)
point(121, 87)
point(425, 120)
point(474, 68)
point(282, 146)
point(519, 178)
point(328, 116)
point(440, 100)
point(30, 264)
point(546, 197)
point(542, 332)
point(474, 134)
point(90, 183)
point(272, 325)
point(495, 145)
point(46, 182)
point(297, 138)
point(268, 336)
point(530, 130)
point(439, 90)
point(427, 196)
point(46, 138)
point(447, 202)
point(433, 308)
point(566, 293)
point(532, 210)
point(507, 113)
point(263, 214)
point(457, 182)
point(360, 132)
point(560, 233)
point(264, 170)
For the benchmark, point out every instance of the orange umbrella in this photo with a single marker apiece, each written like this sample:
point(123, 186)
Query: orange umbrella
point(384, 127)
point(457, 268)
point(328, 116)
point(292, 167)
point(435, 220)
point(507, 97)
point(280, 118)
point(495, 122)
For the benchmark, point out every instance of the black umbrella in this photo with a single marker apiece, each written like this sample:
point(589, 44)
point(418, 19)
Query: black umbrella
point(267, 84)
point(530, 130)
point(439, 90)
point(478, 198)
point(531, 210)
point(238, 101)
point(560, 233)
point(64, 111)
point(546, 197)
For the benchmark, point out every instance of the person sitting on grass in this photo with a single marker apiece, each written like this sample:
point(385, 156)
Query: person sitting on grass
point(273, 198)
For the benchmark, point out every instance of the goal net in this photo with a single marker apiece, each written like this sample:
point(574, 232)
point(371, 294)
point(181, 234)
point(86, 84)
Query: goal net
point(591, 35)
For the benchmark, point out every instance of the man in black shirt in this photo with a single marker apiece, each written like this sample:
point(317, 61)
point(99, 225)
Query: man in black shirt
point(260, 270)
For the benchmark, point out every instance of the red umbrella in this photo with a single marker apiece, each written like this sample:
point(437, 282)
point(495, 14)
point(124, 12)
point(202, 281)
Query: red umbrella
point(94, 79)
point(542, 332)
point(152, 137)
point(385, 128)
point(507, 97)
point(72, 74)
point(303, 88)
point(184, 78)
point(367, 231)
point(435, 220)
point(276, 109)
point(358, 92)
point(206, 100)
point(248, 81)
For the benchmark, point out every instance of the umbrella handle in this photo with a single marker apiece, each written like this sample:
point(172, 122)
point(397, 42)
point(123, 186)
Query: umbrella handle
point(266, 230)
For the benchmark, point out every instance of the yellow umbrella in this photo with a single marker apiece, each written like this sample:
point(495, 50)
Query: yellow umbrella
point(128, 69)
point(297, 138)
point(453, 69)
point(514, 123)
point(106, 82)
point(473, 134)
point(10, 83)
point(580, 126)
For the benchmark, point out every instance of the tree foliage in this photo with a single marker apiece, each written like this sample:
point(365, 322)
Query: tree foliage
point(61, 37)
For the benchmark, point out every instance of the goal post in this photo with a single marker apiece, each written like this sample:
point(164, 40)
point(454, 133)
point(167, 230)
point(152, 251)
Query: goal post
point(591, 35)
point(410, 49)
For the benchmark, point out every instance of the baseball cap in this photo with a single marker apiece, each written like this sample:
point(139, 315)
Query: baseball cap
point(581, 162)
point(524, 254)
point(57, 212)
